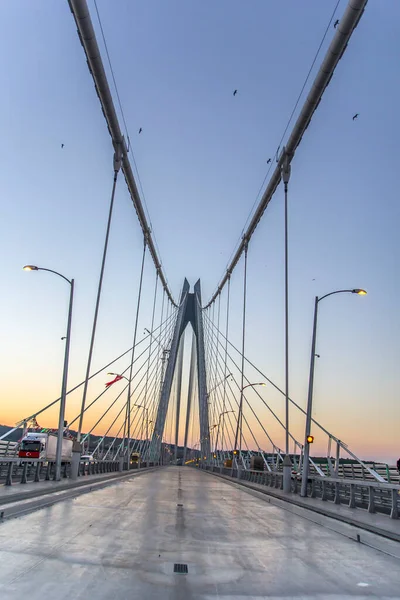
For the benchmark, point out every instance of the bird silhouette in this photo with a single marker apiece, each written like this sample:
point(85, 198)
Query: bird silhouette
point(336, 23)
point(140, 130)
point(62, 145)
point(355, 117)
point(268, 161)
point(235, 92)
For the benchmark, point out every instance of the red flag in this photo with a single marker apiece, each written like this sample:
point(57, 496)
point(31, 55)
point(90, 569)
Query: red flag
point(118, 377)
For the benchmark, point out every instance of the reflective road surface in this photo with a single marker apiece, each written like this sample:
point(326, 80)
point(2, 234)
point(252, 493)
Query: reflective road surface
point(122, 542)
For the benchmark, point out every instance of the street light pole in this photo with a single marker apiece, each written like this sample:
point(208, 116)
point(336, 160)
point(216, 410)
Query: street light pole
point(219, 423)
point(61, 418)
point(286, 168)
point(60, 435)
point(218, 384)
point(306, 454)
point(240, 417)
point(147, 421)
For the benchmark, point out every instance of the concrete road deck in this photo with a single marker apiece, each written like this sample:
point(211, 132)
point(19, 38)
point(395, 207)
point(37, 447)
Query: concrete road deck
point(122, 542)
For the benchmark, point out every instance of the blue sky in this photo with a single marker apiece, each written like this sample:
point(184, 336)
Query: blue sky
point(202, 157)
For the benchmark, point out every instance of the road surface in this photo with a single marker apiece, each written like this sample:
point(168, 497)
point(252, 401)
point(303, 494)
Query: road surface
point(122, 542)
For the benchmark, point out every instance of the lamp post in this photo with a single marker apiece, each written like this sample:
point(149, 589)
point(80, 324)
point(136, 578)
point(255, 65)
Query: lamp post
point(208, 394)
point(308, 438)
point(147, 420)
point(240, 416)
point(219, 423)
point(218, 384)
point(57, 475)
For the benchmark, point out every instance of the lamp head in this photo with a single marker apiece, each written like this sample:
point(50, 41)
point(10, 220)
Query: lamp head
point(30, 268)
point(359, 292)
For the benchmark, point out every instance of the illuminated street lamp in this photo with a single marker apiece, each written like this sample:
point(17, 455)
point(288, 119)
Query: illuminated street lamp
point(61, 417)
point(308, 435)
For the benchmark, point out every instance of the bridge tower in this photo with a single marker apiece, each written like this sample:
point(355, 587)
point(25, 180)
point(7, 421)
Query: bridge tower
point(189, 311)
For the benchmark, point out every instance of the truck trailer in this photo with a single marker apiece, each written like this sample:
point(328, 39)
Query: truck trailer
point(43, 446)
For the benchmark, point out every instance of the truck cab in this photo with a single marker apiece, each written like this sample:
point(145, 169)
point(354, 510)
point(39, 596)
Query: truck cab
point(33, 445)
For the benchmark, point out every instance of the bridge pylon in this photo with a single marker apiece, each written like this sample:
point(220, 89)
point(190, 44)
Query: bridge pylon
point(189, 311)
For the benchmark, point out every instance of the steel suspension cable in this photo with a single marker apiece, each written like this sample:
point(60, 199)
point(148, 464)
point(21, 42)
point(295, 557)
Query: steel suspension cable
point(334, 53)
point(112, 404)
point(280, 391)
point(106, 389)
point(234, 397)
point(264, 402)
point(151, 329)
point(110, 427)
point(159, 345)
point(37, 413)
point(226, 350)
point(216, 383)
point(239, 421)
point(117, 166)
point(238, 386)
point(134, 340)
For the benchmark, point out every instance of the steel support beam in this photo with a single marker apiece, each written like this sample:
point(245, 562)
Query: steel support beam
point(201, 374)
point(189, 311)
point(155, 446)
point(179, 392)
point(190, 394)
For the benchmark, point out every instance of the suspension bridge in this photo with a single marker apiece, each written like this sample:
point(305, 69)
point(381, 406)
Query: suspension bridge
point(192, 473)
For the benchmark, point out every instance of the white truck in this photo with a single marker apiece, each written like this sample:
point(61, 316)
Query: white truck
point(43, 446)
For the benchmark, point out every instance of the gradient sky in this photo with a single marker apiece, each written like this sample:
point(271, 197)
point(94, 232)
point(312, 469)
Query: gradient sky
point(202, 157)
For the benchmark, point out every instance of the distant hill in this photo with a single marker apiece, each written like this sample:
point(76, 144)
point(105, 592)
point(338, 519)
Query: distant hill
point(14, 436)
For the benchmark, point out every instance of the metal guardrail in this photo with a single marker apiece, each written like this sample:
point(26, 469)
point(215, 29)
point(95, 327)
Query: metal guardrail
point(8, 449)
point(16, 470)
point(328, 467)
point(372, 496)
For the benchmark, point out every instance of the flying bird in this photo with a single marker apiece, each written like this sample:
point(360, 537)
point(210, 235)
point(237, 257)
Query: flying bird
point(62, 145)
point(355, 116)
point(140, 130)
point(336, 23)
point(268, 161)
point(235, 92)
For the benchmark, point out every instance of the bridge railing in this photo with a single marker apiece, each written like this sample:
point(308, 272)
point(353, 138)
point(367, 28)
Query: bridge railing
point(373, 496)
point(15, 470)
point(8, 449)
point(325, 466)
